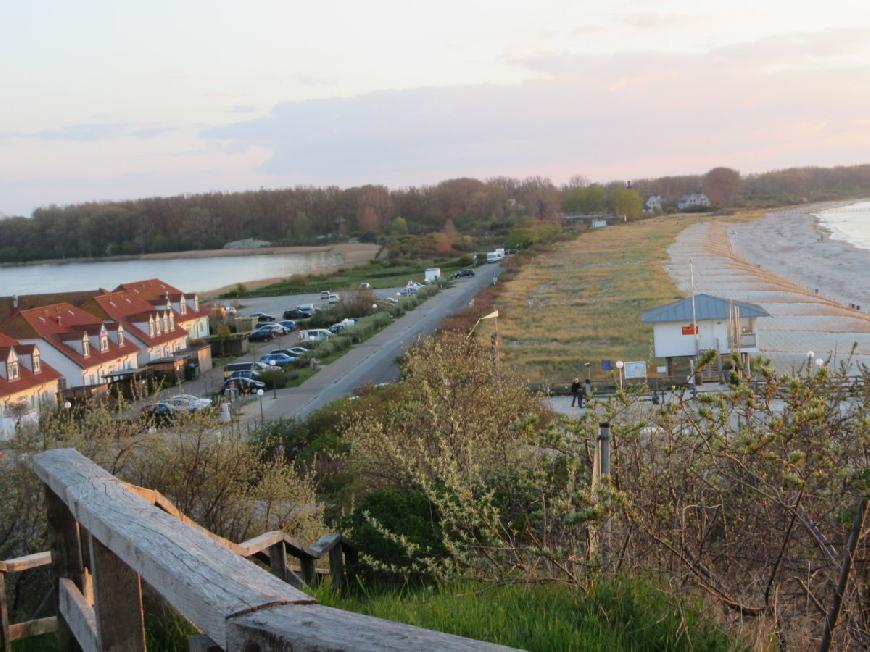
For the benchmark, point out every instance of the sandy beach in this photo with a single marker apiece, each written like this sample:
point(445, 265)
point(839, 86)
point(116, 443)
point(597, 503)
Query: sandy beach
point(790, 266)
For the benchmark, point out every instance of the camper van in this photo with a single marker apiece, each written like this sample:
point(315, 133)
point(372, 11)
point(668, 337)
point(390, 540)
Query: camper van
point(493, 257)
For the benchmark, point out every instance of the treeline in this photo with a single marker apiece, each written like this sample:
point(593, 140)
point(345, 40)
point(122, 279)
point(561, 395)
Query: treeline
point(310, 215)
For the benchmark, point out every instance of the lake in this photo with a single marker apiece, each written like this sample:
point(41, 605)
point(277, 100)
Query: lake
point(187, 274)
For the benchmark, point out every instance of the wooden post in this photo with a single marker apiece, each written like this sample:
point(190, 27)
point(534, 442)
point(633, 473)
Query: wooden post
point(278, 560)
point(117, 601)
point(5, 642)
point(66, 558)
point(309, 574)
point(336, 566)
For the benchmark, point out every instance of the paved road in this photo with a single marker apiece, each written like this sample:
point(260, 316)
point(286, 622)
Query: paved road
point(373, 361)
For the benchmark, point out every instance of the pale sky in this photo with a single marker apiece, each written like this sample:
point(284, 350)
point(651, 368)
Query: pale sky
point(111, 100)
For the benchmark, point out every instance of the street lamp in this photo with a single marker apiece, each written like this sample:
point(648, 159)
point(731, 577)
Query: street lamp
point(274, 385)
point(262, 417)
point(810, 356)
point(820, 362)
point(619, 365)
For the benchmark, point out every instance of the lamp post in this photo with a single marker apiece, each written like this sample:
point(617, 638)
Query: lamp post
point(262, 416)
point(810, 356)
point(274, 386)
point(619, 365)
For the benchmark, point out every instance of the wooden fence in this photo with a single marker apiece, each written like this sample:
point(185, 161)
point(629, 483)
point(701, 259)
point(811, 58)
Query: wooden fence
point(107, 536)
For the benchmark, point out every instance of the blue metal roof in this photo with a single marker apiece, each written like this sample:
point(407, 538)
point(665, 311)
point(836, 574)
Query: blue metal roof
point(707, 308)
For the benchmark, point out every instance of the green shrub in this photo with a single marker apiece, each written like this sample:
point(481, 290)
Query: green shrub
point(376, 523)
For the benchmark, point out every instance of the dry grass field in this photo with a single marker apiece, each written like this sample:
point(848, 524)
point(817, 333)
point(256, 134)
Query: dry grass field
point(582, 302)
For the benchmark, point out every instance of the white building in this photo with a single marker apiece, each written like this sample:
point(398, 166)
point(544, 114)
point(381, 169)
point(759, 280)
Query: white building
point(693, 201)
point(653, 204)
point(723, 325)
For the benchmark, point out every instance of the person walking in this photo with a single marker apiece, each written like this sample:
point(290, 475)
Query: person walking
point(587, 390)
point(575, 392)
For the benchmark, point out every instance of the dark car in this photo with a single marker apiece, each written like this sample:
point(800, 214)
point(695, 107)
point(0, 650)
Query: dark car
point(159, 413)
point(243, 385)
point(464, 272)
point(289, 324)
point(265, 319)
point(262, 335)
point(295, 313)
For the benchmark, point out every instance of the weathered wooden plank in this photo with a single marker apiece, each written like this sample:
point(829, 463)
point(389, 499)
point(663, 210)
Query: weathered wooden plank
point(117, 601)
point(38, 627)
point(5, 634)
point(324, 544)
point(66, 555)
point(260, 543)
point(308, 571)
point(202, 643)
point(27, 562)
point(278, 560)
point(201, 578)
point(78, 615)
point(336, 567)
point(310, 628)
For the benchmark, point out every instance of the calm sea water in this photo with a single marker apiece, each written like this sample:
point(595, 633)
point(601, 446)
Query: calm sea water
point(849, 223)
point(188, 274)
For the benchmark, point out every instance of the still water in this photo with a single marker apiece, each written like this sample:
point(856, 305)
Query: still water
point(188, 274)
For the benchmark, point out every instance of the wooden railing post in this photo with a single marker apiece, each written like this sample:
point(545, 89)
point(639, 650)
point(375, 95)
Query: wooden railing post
point(278, 560)
point(5, 641)
point(117, 601)
point(309, 574)
point(336, 567)
point(66, 557)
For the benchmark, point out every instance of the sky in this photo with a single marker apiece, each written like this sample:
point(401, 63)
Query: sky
point(110, 100)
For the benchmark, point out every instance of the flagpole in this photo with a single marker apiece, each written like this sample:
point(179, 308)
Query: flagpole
point(694, 315)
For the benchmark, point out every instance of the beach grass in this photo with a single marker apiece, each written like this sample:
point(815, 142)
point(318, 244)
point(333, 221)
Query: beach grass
point(582, 301)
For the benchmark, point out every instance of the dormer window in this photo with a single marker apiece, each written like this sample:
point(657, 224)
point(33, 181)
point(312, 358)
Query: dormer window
point(165, 322)
point(157, 325)
point(151, 326)
point(37, 363)
point(182, 305)
point(120, 336)
point(86, 346)
point(12, 369)
point(104, 341)
point(196, 303)
point(171, 321)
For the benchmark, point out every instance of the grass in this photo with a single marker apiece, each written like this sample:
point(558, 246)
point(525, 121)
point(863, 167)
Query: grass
point(583, 301)
point(379, 275)
point(615, 615)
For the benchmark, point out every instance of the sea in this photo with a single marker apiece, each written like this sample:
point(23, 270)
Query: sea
point(848, 223)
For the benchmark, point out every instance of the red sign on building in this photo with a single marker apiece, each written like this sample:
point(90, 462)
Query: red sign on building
point(690, 330)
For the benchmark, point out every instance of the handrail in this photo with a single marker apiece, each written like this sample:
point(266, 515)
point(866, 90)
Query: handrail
point(234, 602)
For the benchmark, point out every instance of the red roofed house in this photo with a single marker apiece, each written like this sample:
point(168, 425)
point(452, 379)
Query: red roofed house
point(26, 383)
point(153, 329)
point(190, 316)
point(81, 346)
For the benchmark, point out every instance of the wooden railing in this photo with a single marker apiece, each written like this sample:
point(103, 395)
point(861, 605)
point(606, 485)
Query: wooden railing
point(107, 536)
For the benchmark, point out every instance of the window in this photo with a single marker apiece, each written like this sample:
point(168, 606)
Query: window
point(195, 303)
point(120, 336)
point(37, 363)
point(151, 326)
point(104, 342)
point(172, 321)
point(182, 305)
point(86, 346)
point(157, 325)
point(12, 370)
point(165, 322)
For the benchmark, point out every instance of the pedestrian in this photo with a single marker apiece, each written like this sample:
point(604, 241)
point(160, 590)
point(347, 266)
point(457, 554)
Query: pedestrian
point(587, 390)
point(575, 392)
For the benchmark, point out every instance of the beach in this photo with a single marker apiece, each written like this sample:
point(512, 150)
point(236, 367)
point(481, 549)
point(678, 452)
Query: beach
point(787, 263)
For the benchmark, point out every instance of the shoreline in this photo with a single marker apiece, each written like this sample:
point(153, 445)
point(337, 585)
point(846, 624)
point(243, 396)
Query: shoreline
point(340, 248)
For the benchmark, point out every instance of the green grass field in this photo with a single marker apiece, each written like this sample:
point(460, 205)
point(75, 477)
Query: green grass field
point(583, 301)
point(615, 615)
point(378, 275)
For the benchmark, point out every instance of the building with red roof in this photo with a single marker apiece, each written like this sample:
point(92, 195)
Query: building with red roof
point(26, 383)
point(82, 347)
point(153, 328)
point(190, 316)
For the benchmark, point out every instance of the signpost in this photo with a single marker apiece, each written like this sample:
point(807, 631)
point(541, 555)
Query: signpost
point(635, 370)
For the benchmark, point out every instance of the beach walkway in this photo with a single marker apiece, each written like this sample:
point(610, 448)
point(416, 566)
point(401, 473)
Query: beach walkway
point(802, 319)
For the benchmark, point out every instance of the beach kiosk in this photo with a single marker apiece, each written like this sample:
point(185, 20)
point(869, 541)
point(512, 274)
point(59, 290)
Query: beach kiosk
point(688, 327)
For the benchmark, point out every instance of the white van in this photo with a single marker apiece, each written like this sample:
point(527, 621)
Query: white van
point(492, 257)
point(314, 335)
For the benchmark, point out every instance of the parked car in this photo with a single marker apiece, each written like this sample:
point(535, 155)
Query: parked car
point(277, 329)
point(340, 326)
point(392, 300)
point(159, 413)
point(251, 374)
point(314, 335)
point(407, 292)
point(307, 307)
point(295, 313)
point(243, 366)
point(293, 351)
point(280, 359)
point(188, 402)
point(243, 385)
point(365, 286)
point(262, 334)
point(462, 273)
point(262, 317)
point(324, 294)
point(289, 324)
point(333, 298)
point(230, 310)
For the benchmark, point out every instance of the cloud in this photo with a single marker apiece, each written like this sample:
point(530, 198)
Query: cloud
point(244, 108)
point(91, 132)
point(631, 114)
